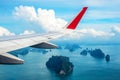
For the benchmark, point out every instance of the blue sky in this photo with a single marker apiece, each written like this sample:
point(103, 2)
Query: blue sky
point(101, 16)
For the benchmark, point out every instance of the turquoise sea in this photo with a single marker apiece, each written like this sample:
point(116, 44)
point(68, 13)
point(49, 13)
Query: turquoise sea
point(85, 67)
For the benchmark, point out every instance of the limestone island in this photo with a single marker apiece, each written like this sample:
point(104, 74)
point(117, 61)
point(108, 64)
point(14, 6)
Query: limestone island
point(60, 65)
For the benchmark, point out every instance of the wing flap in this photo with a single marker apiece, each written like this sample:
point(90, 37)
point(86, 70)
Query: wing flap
point(6, 58)
point(45, 45)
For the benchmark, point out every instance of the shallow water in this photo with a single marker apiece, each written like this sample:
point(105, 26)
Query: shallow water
point(85, 67)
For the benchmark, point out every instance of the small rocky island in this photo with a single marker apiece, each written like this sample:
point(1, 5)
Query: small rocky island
point(84, 52)
point(96, 53)
point(107, 58)
point(60, 64)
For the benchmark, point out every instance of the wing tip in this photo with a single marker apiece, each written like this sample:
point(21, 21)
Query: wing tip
point(85, 7)
point(77, 19)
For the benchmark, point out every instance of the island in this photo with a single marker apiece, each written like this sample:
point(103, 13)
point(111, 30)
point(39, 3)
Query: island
point(60, 65)
point(96, 53)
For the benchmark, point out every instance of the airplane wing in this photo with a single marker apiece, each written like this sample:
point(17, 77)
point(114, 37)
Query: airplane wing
point(36, 40)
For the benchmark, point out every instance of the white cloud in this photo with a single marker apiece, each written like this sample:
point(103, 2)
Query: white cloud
point(92, 36)
point(94, 33)
point(5, 32)
point(25, 12)
point(27, 32)
point(48, 21)
point(90, 33)
point(116, 30)
point(101, 9)
point(102, 3)
point(95, 2)
point(45, 18)
point(98, 14)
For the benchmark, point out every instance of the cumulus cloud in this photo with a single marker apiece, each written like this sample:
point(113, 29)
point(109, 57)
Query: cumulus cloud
point(45, 18)
point(91, 33)
point(27, 32)
point(25, 13)
point(48, 21)
point(92, 36)
point(5, 32)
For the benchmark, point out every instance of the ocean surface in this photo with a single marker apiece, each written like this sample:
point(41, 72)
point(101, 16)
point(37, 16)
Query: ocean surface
point(85, 67)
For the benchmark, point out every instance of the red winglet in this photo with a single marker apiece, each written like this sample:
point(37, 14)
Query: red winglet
point(77, 19)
